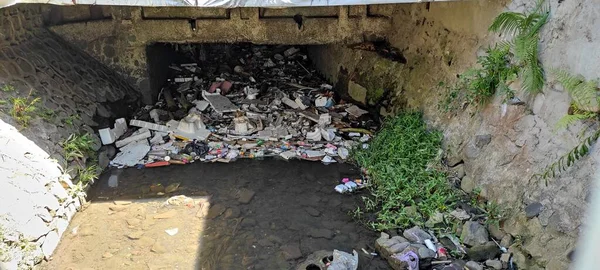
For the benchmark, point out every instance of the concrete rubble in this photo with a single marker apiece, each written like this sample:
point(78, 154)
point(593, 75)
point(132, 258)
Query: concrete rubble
point(267, 102)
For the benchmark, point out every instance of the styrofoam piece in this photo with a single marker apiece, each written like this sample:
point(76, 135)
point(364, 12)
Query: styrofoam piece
point(186, 127)
point(157, 139)
point(201, 134)
point(314, 153)
point(300, 104)
point(328, 160)
point(219, 103)
point(120, 127)
point(324, 119)
point(148, 125)
point(154, 115)
point(131, 154)
point(343, 152)
point(172, 124)
point(107, 136)
point(288, 154)
point(321, 101)
point(290, 103)
point(314, 135)
point(328, 134)
point(133, 138)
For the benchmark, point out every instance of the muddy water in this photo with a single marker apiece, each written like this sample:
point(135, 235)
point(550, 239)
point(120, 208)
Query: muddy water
point(248, 214)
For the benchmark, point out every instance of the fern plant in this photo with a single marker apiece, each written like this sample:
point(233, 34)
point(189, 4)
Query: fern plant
point(524, 30)
point(584, 105)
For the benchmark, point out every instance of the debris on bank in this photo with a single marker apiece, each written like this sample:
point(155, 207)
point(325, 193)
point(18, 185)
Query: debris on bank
point(265, 103)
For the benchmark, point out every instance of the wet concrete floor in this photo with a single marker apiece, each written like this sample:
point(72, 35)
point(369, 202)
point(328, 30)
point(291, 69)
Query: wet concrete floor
point(248, 214)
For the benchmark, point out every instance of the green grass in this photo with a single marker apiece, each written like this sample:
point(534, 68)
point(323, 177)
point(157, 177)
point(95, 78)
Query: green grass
point(401, 161)
point(7, 88)
point(477, 86)
point(23, 109)
point(71, 119)
point(87, 174)
point(78, 146)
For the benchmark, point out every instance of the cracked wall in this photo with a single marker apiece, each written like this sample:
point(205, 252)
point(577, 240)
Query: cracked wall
point(442, 40)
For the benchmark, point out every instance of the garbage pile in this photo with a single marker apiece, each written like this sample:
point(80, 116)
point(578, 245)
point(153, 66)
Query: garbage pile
point(245, 102)
point(420, 249)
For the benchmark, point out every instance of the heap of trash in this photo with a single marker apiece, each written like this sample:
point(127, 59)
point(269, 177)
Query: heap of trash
point(266, 102)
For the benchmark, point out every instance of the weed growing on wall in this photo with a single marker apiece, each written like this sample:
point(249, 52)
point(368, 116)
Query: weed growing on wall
point(23, 109)
point(78, 146)
point(478, 85)
point(524, 29)
point(401, 161)
point(584, 105)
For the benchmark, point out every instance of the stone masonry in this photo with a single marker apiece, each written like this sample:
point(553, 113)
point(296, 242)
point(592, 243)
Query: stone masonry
point(76, 95)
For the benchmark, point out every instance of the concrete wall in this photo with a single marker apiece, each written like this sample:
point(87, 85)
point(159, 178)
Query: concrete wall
point(119, 35)
point(76, 95)
point(441, 40)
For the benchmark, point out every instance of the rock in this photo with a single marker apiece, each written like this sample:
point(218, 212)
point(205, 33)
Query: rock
point(425, 253)
point(474, 233)
point(495, 231)
point(135, 235)
point(245, 195)
point(460, 214)
point(320, 233)
point(61, 225)
point(467, 184)
point(107, 255)
point(291, 252)
point(533, 210)
point(117, 208)
point(312, 211)
point(495, 264)
point(122, 202)
point(215, 211)
point(506, 241)
point(169, 214)
point(416, 235)
point(483, 140)
point(47, 200)
point(50, 243)
point(34, 229)
point(158, 248)
point(397, 247)
point(399, 239)
point(357, 92)
point(172, 188)
point(232, 212)
point(483, 252)
point(459, 171)
point(453, 161)
point(434, 220)
point(248, 222)
point(504, 258)
point(471, 265)
point(133, 222)
point(59, 191)
point(155, 188)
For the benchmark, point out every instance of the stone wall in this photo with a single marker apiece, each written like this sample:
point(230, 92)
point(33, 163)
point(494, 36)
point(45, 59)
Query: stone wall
point(440, 41)
point(77, 95)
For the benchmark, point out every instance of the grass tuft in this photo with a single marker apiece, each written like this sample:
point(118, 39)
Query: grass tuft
point(401, 161)
point(23, 109)
point(78, 146)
